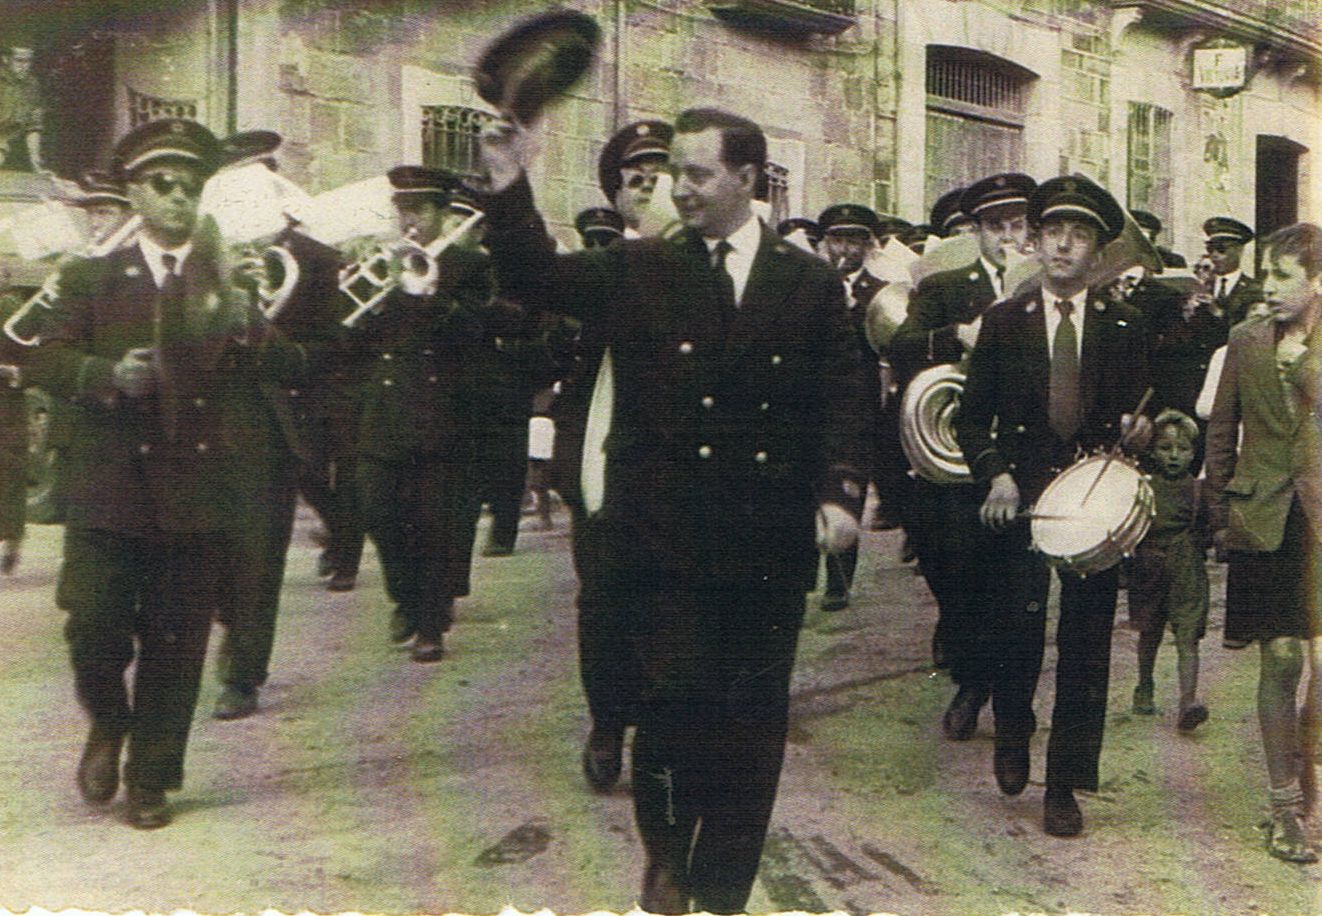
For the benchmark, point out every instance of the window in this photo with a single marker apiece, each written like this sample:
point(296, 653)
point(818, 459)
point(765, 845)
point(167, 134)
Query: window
point(778, 192)
point(450, 137)
point(1086, 105)
point(145, 108)
point(976, 105)
point(1149, 158)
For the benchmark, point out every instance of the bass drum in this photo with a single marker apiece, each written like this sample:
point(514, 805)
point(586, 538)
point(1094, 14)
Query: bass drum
point(927, 431)
point(1088, 533)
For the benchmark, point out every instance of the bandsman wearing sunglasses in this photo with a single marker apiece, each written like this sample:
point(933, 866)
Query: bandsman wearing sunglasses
point(156, 354)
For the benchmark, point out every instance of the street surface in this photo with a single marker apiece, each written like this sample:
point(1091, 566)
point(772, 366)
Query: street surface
point(370, 783)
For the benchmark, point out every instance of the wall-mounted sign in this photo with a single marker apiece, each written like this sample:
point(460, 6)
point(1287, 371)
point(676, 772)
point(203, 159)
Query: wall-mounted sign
point(1220, 69)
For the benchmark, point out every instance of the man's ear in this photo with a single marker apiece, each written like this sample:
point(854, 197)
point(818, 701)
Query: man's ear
point(748, 174)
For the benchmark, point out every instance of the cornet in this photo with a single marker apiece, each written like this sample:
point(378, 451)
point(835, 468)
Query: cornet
point(278, 276)
point(49, 295)
point(371, 279)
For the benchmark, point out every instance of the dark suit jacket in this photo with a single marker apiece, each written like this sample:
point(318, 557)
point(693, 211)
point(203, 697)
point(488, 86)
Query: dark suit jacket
point(122, 470)
point(1252, 482)
point(1247, 292)
point(728, 430)
point(1008, 385)
point(417, 396)
point(940, 303)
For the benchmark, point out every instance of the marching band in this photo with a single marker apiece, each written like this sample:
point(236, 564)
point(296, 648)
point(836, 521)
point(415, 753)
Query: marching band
point(727, 396)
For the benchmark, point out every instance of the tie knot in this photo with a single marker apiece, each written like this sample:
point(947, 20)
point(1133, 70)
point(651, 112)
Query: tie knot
point(719, 251)
point(170, 261)
point(1065, 307)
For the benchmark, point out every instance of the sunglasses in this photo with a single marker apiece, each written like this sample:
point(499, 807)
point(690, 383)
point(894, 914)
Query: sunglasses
point(165, 185)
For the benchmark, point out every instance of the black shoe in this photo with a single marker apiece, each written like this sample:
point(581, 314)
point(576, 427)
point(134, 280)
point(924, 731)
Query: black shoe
point(235, 703)
point(428, 649)
point(1286, 839)
point(148, 809)
point(98, 769)
point(602, 757)
point(1060, 813)
point(1010, 763)
point(831, 603)
point(663, 891)
point(961, 718)
point(326, 564)
point(342, 581)
point(1192, 717)
point(402, 630)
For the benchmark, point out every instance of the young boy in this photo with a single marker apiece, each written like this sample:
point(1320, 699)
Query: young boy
point(1265, 509)
point(1168, 584)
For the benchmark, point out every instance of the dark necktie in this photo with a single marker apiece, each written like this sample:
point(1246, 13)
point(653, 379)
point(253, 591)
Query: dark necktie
point(1000, 283)
point(1222, 294)
point(724, 282)
point(1063, 403)
point(169, 329)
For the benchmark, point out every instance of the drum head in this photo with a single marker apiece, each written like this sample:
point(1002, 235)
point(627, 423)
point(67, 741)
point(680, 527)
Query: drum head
point(1066, 526)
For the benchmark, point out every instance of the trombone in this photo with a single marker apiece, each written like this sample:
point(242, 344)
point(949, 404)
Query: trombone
point(49, 295)
point(371, 279)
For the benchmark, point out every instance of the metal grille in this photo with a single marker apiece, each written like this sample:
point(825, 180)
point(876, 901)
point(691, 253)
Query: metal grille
point(975, 81)
point(778, 192)
point(1149, 157)
point(145, 108)
point(450, 137)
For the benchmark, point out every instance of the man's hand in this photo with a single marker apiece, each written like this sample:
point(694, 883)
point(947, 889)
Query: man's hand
point(135, 373)
point(1135, 432)
point(1220, 540)
point(506, 149)
point(968, 333)
point(1001, 506)
point(837, 529)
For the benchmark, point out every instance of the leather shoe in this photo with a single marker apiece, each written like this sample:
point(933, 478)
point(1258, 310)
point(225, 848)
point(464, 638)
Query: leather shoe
point(342, 581)
point(428, 649)
point(235, 703)
point(1060, 813)
point(98, 769)
point(148, 809)
point(602, 757)
point(1010, 763)
point(663, 891)
point(961, 717)
point(832, 603)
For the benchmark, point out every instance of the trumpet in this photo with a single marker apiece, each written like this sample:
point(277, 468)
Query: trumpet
point(275, 280)
point(371, 279)
point(49, 295)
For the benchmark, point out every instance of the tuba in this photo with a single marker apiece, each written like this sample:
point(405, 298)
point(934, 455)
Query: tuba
point(371, 279)
point(49, 294)
point(927, 430)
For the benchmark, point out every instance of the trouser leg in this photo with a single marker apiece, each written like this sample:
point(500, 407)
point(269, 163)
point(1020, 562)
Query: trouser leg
point(1018, 631)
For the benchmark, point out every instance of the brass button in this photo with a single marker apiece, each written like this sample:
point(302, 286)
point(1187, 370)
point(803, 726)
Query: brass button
point(686, 347)
point(387, 382)
point(144, 448)
point(201, 446)
point(764, 406)
point(709, 402)
point(387, 356)
point(294, 392)
point(704, 451)
point(760, 457)
point(432, 379)
point(775, 359)
point(199, 402)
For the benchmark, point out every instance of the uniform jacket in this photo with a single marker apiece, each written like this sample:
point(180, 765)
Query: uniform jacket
point(1008, 384)
point(1251, 487)
point(728, 429)
point(418, 394)
point(939, 304)
point(1182, 349)
point(123, 469)
point(1247, 293)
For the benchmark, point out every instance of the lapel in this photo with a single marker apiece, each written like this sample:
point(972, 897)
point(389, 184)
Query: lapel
point(1092, 364)
point(1036, 356)
point(769, 283)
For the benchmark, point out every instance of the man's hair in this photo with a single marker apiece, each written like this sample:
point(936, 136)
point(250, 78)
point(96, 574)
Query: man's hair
point(1303, 241)
point(742, 141)
point(1182, 422)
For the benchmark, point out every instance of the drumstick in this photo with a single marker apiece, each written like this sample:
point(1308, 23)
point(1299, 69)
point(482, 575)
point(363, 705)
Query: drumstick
point(1115, 449)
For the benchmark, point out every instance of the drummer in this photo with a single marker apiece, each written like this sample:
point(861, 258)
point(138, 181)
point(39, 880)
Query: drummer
point(1054, 371)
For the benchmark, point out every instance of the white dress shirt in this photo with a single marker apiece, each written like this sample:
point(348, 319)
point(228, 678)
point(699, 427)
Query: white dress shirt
point(743, 249)
point(1229, 280)
point(154, 255)
point(1053, 316)
point(998, 283)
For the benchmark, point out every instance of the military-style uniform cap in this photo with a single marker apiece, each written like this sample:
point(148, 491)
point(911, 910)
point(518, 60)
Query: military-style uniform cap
point(1077, 197)
point(166, 138)
point(795, 223)
point(947, 212)
point(1148, 222)
point(418, 179)
point(892, 225)
point(100, 188)
point(248, 145)
point(842, 219)
point(639, 140)
point(602, 220)
point(1223, 227)
point(1001, 190)
point(464, 201)
point(535, 61)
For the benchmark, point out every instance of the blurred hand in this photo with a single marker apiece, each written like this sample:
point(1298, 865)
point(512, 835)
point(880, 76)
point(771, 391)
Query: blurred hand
point(506, 150)
point(837, 529)
point(1135, 432)
point(1220, 542)
point(1001, 506)
point(135, 373)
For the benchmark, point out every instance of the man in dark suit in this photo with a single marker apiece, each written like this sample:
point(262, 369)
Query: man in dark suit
point(1053, 372)
point(945, 315)
point(1233, 291)
point(152, 346)
point(849, 235)
point(417, 492)
point(1150, 223)
point(735, 433)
